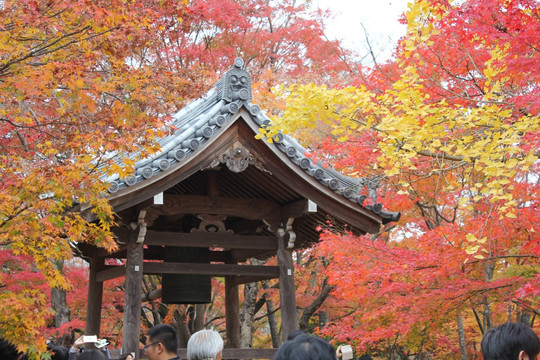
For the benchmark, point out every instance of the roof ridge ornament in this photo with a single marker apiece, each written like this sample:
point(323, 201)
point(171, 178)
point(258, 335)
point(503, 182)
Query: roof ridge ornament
point(237, 158)
point(237, 83)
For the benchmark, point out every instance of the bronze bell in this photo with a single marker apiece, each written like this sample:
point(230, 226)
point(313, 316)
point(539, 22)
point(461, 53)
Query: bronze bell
point(186, 288)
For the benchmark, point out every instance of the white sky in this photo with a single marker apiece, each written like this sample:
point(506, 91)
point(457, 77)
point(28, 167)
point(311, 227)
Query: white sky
point(379, 18)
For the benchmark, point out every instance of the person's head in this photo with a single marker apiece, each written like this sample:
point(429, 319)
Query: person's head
point(127, 356)
point(59, 353)
point(92, 355)
point(295, 333)
point(161, 342)
point(50, 342)
point(306, 347)
point(510, 341)
point(8, 351)
point(204, 344)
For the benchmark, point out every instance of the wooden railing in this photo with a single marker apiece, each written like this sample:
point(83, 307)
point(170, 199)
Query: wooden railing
point(228, 353)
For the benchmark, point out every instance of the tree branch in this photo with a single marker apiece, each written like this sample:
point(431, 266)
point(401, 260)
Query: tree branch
point(315, 305)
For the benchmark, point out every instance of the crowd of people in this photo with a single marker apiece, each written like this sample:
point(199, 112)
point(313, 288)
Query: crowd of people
point(509, 341)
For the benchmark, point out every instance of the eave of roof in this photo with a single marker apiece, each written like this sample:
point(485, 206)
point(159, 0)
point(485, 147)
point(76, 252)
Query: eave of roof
point(202, 121)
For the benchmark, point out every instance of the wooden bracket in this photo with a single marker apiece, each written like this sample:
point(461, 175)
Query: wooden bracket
point(287, 229)
point(142, 227)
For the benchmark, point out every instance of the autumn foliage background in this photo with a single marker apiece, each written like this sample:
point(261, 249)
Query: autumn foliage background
point(449, 126)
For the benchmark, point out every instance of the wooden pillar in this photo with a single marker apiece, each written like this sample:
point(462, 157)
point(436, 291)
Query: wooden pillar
point(232, 312)
point(95, 297)
point(287, 293)
point(132, 303)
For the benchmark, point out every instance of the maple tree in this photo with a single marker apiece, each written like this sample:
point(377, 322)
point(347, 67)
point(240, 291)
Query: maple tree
point(82, 80)
point(453, 127)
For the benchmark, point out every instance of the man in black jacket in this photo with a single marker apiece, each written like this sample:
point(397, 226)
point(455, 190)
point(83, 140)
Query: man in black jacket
point(161, 343)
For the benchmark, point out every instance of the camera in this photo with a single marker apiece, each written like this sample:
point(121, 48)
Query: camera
point(346, 352)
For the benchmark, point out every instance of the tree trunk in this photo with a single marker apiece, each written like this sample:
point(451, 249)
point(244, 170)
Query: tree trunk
point(62, 313)
point(246, 314)
point(198, 321)
point(461, 336)
point(272, 321)
point(287, 288)
point(182, 327)
point(59, 304)
point(487, 305)
point(309, 310)
point(132, 297)
point(324, 318)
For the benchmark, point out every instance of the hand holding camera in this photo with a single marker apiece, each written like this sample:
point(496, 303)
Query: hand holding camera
point(344, 352)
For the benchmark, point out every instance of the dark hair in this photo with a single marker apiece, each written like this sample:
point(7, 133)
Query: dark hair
point(8, 351)
point(92, 355)
point(59, 353)
point(506, 341)
point(295, 333)
point(306, 347)
point(124, 356)
point(166, 335)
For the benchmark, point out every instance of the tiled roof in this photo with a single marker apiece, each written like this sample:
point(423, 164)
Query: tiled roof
point(204, 118)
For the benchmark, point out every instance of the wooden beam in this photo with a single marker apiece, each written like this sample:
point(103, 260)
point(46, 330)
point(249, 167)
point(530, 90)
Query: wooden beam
point(239, 280)
point(212, 183)
point(248, 353)
point(95, 297)
point(227, 353)
point(157, 253)
point(247, 227)
point(232, 310)
point(121, 253)
point(132, 299)
point(227, 241)
point(287, 294)
point(298, 208)
point(254, 209)
point(210, 269)
point(111, 272)
point(89, 250)
point(242, 255)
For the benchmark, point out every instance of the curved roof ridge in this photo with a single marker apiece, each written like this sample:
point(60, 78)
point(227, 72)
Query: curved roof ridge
point(203, 118)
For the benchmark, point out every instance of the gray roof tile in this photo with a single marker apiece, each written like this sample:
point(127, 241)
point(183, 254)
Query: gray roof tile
point(203, 119)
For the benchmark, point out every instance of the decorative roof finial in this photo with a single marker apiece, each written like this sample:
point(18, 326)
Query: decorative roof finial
point(239, 63)
point(237, 83)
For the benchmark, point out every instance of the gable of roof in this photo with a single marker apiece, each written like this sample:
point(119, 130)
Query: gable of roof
point(205, 119)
